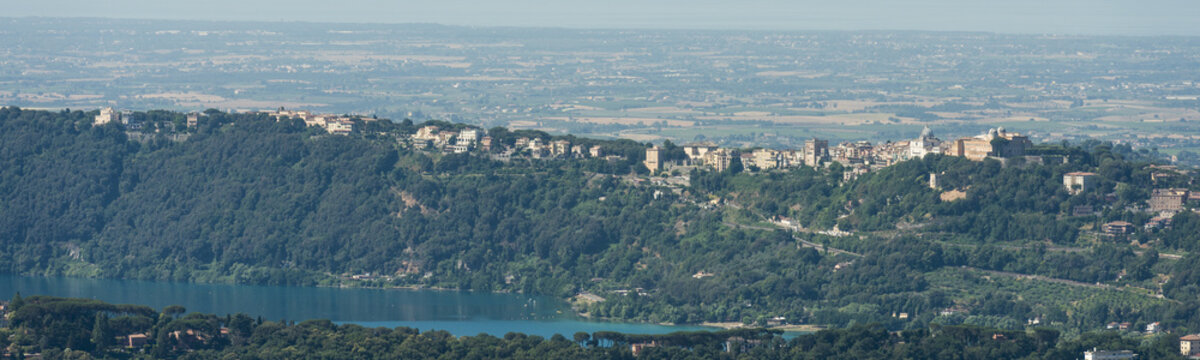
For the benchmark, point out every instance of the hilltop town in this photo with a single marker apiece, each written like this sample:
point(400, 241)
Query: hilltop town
point(854, 158)
point(857, 157)
point(333, 124)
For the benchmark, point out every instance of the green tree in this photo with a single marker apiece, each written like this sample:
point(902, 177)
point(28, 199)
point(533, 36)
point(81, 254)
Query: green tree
point(162, 344)
point(582, 337)
point(102, 336)
point(174, 310)
point(16, 302)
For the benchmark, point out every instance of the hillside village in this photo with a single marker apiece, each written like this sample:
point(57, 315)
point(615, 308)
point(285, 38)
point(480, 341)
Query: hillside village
point(333, 124)
point(855, 158)
point(858, 157)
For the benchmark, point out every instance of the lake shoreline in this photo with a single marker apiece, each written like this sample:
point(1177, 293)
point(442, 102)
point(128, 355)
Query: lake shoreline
point(462, 312)
point(799, 328)
point(572, 302)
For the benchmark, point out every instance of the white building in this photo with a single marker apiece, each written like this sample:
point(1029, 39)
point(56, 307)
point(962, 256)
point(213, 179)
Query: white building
point(767, 159)
point(1108, 354)
point(469, 136)
point(334, 124)
point(1078, 182)
point(339, 126)
point(924, 145)
point(107, 115)
point(696, 151)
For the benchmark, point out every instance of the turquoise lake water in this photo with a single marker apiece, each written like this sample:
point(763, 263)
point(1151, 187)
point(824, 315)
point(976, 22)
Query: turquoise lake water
point(461, 313)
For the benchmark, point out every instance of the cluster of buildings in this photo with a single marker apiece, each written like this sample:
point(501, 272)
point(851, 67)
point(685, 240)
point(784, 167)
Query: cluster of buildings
point(468, 139)
point(1163, 202)
point(334, 124)
point(859, 157)
point(539, 148)
point(1151, 328)
point(434, 137)
point(108, 115)
point(181, 339)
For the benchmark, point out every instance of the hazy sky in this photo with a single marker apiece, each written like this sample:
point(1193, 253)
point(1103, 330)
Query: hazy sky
point(1122, 17)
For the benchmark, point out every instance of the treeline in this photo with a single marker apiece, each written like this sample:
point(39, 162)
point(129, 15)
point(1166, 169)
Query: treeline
point(64, 328)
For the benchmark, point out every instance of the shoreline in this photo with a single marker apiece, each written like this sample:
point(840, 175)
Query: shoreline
point(572, 302)
point(802, 328)
point(351, 284)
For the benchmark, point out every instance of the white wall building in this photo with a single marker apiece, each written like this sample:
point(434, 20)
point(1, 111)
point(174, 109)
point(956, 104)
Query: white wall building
point(924, 145)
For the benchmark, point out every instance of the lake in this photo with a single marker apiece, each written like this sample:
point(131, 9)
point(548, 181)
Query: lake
point(459, 312)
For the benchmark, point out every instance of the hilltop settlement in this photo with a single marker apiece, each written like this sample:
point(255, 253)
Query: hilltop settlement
point(853, 158)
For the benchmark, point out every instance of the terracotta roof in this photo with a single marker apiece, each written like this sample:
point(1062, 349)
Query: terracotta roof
point(1192, 337)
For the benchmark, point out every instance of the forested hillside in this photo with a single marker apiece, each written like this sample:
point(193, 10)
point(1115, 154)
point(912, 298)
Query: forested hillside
point(243, 198)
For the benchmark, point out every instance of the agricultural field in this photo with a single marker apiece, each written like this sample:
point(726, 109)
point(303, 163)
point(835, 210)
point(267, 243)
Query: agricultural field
point(770, 89)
